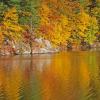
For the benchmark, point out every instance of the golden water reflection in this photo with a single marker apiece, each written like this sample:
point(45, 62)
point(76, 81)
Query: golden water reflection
point(63, 76)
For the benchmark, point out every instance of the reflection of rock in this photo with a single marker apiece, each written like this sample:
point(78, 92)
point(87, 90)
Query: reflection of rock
point(42, 64)
point(44, 50)
point(40, 50)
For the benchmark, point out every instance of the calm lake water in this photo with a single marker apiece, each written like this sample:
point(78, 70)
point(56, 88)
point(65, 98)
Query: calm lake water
point(62, 76)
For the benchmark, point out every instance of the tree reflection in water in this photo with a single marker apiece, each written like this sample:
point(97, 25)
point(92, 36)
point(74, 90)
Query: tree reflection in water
point(63, 76)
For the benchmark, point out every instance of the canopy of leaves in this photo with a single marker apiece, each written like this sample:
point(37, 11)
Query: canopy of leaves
point(59, 21)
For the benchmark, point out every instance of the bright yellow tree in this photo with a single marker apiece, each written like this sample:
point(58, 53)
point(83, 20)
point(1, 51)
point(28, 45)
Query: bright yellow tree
point(11, 27)
point(54, 27)
point(82, 23)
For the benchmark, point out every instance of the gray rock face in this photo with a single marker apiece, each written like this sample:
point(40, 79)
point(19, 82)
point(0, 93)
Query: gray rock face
point(40, 45)
point(47, 47)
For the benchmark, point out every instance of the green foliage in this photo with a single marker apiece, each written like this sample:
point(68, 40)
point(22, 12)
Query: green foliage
point(29, 12)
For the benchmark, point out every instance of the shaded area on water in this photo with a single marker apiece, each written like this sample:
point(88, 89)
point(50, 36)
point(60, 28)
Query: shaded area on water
point(63, 76)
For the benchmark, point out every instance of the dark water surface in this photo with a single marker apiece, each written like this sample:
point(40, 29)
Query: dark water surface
point(63, 76)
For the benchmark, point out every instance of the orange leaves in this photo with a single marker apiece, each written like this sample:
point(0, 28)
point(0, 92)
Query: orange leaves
point(54, 17)
point(46, 28)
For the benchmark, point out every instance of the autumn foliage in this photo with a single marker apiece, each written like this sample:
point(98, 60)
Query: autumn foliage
point(59, 21)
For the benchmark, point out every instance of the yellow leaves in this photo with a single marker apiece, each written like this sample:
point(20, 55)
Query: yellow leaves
point(11, 14)
point(44, 10)
point(93, 21)
point(83, 22)
point(96, 11)
point(84, 18)
point(11, 27)
point(44, 21)
point(82, 27)
point(64, 20)
point(54, 27)
point(44, 13)
point(87, 27)
point(1, 39)
point(81, 34)
point(67, 22)
point(58, 28)
point(1, 35)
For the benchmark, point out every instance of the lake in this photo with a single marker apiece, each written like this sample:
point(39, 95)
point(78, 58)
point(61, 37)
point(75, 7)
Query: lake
point(61, 76)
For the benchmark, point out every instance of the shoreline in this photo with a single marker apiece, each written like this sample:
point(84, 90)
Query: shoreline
point(52, 52)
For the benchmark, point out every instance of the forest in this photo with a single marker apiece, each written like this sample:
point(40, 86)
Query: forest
point(39, 26)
